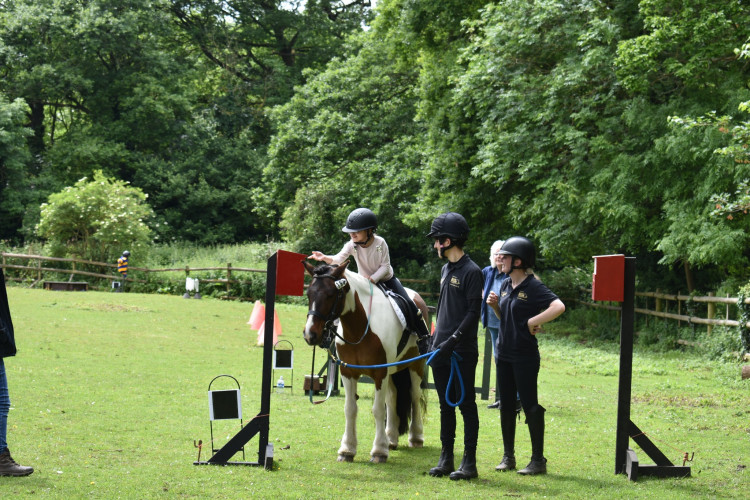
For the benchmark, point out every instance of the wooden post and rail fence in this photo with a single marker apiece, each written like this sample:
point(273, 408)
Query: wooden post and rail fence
point(39, 272)
point(663, 302)
point(661, 306)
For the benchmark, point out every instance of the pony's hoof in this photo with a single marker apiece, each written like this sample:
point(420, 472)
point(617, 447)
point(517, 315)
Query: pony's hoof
point(379, 459)
point(416, 444)
point(393, 446)
point(345, 458)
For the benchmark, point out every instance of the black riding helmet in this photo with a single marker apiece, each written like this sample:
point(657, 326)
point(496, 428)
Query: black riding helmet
point(126, 253)
point(523, 248)
point(451, 225)
point(359, 220)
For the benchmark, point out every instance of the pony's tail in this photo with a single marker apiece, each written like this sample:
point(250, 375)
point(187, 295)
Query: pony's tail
point(402, 383)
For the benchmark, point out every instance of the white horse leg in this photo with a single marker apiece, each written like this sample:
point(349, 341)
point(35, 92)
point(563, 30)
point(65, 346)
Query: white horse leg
point(379, 451)
point(391, 424)
point(348, 448)
point(416, 428)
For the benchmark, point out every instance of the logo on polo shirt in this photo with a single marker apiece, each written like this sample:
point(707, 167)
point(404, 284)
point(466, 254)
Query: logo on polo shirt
point(455, 282)
point(523, 296)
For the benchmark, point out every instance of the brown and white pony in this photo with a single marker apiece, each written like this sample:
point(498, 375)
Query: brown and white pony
point(369, 333)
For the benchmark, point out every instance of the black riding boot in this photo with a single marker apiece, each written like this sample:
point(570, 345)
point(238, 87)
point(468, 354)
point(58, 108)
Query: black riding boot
point(445, 463)
point(9, 467)
point(424, 340)
point(538, 464)
point(508, 427)
point(468, 467)
point(424, 344)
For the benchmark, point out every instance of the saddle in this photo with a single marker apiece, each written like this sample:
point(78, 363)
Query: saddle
point(409, 316)
point(400, 306)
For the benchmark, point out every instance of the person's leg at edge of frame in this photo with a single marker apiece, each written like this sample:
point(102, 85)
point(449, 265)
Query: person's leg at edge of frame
point(8, 466)
point(4, 407)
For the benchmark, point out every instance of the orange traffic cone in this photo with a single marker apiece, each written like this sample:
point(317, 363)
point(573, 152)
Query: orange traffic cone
point(257, 316)
point(276, 326)
point(276, 331)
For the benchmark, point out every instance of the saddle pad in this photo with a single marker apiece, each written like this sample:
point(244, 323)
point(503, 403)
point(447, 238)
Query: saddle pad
point(397, 309)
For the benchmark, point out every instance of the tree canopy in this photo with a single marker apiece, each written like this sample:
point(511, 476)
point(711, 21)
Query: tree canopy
point(591, 127)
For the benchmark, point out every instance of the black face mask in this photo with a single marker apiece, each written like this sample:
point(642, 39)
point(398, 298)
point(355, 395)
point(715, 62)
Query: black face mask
point(441, 241)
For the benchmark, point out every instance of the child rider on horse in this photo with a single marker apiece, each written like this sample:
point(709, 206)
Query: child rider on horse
point(370, 251)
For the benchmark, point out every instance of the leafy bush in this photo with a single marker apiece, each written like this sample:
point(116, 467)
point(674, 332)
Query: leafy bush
point(658, 335)
point(96, 219)
point(725, 343)
point(568, 282)
point(588, 324)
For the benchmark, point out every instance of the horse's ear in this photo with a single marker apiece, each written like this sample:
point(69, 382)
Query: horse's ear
point(339, 271)
point(308, 267)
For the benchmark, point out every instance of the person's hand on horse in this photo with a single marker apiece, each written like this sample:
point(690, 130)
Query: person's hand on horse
point(319, 256)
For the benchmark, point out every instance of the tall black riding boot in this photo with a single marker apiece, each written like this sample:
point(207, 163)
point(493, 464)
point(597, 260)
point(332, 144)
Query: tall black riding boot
point(445, 463)
point(508, 427)
point(468, 467)
point(538, 464)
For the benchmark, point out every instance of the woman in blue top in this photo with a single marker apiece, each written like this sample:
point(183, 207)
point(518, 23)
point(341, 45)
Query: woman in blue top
point(493, 278)
point(524, 305)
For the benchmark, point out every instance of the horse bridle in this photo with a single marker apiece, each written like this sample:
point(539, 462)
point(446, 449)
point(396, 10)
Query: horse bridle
point(329, 328)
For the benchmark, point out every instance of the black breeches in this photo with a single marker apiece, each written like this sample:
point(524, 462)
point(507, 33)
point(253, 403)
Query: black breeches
point(441, 375)
point(518, 379)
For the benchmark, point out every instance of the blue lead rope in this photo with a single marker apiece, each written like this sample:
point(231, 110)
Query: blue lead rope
point(455, 358)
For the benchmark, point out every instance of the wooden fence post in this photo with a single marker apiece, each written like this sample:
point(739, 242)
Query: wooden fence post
point(727, 310)
point(711, 313)
point(229, 276)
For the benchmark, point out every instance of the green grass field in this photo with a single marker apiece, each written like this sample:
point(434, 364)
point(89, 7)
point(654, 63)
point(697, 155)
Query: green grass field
point(109, 394)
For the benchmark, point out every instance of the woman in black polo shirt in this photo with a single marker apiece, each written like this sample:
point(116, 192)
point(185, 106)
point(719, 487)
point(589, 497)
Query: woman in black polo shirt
point(524, 305)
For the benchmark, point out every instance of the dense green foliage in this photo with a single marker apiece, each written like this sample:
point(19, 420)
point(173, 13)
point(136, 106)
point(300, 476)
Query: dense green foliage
point(14, 157)
point(97, 218)
point(591, 127)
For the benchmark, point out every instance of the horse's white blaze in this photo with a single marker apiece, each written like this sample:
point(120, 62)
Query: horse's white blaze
point(308, 324)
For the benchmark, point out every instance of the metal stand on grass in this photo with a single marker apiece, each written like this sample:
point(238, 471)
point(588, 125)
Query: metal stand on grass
point(316, 384)
point(224, 405)
point(614, 280)
point(283, 359)
point(285, 276)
